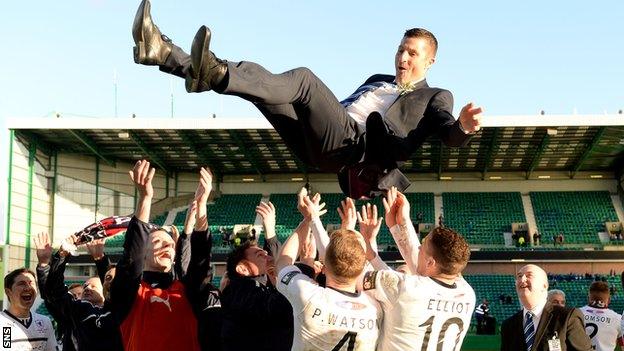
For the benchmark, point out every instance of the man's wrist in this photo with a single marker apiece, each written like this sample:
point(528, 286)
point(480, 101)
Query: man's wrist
point(461, 127)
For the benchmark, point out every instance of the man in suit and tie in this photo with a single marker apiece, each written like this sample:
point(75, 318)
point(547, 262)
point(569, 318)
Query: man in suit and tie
point(365, 138)
point(540, 326)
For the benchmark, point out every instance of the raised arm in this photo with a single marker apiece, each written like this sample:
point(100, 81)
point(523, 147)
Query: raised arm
point(398, 220)
point(130, 266)
point(183, 244)
point(291, 246)
point(347, 213)
point(312, 210)
point(370, 225)
point(102, 263)
point(201, 240)
point(266, 210)
point(55, 289)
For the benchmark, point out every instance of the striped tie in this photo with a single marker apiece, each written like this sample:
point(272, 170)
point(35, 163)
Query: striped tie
point(361, 90)
point(529, 330)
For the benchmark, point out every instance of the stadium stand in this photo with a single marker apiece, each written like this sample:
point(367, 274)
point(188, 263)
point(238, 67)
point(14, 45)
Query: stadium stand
point(483, 217)
point(579, 215)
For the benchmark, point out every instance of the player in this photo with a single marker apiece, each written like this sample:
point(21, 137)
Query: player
point(338, 316)
point(22, 329)
point(431, 309)
point(601, 324)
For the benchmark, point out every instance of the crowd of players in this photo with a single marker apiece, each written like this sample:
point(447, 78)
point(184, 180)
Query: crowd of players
point(316, 291)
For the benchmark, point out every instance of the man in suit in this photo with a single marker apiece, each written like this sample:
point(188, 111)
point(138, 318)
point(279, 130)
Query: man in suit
point(539, 325)
point(364, 138)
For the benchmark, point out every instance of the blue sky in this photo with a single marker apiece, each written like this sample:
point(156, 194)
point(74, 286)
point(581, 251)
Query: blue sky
point(509, 57)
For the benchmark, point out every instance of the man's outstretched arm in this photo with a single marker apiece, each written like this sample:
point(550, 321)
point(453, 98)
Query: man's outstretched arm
point(129, 268)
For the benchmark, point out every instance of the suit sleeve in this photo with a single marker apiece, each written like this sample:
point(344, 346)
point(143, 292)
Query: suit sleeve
point(183, 256)
point(577, 338)
point(198, 266)
point(129, 268)
point(441, 107)
point(42, 278)
point(505, 341)
point(56, 290)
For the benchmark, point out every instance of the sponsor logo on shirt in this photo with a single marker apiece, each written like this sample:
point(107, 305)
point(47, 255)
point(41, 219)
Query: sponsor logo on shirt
point(288, 277)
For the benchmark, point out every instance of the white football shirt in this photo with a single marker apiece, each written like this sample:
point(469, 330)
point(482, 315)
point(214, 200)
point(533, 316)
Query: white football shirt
point(328, 319)
point(421, 313)
point(603, 327)
point(37, 334)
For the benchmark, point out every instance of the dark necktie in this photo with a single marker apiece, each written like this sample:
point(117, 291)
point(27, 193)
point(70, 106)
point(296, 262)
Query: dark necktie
point(529, 330)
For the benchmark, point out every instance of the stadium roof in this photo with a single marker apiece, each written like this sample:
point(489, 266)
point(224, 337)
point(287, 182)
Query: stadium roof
point(568, 143)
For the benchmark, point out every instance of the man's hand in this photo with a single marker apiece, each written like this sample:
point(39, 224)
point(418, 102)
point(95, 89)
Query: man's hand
point(369, 224)
point(307, 248)
point(347, 213)
point(142, 176)
point(470, 118)
point(205, 186)
point(44, 250)
point(403, 210)
point(390, 206)
point(397, 208)
point(96, 248)
point(68, 245)
point(312, 208)
point(266, 210)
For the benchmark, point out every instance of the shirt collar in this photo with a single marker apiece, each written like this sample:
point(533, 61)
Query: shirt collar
point(536, 311)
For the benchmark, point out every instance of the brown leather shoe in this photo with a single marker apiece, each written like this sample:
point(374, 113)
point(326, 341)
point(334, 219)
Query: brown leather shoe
point(207, 71)
point(152, 47)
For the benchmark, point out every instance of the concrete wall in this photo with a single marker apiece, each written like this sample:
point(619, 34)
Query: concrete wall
point(19, 237)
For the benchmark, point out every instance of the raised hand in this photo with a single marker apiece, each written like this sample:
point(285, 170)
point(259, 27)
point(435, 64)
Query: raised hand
point(266, 210)
point(205, 186)
point(68, 246)
point(142, 175)
point(470, 118)
point(96, 248)
point(312, 208)
point(44, 250)
point(369, 223)
point(390, 206)
point(347, 213)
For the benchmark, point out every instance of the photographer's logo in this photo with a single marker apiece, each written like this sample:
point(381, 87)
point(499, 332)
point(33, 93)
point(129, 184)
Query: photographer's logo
point(6, 337)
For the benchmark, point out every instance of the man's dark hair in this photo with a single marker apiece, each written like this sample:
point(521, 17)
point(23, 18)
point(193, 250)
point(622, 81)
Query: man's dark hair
point(74, 285)
point(599, 292)
point(234, 258)
point(425, 34)
point(9, 279)
point(450, 250)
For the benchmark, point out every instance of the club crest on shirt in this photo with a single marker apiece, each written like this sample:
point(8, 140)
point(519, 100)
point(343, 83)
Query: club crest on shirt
point(369, 280)
point(288, 277)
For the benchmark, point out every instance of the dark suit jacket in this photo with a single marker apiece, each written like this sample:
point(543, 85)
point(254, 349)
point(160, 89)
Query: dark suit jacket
point(566, 322)
point(391, 140)
point(411, 119)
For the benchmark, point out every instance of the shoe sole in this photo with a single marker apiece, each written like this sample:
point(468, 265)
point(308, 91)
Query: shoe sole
point(201, 45)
